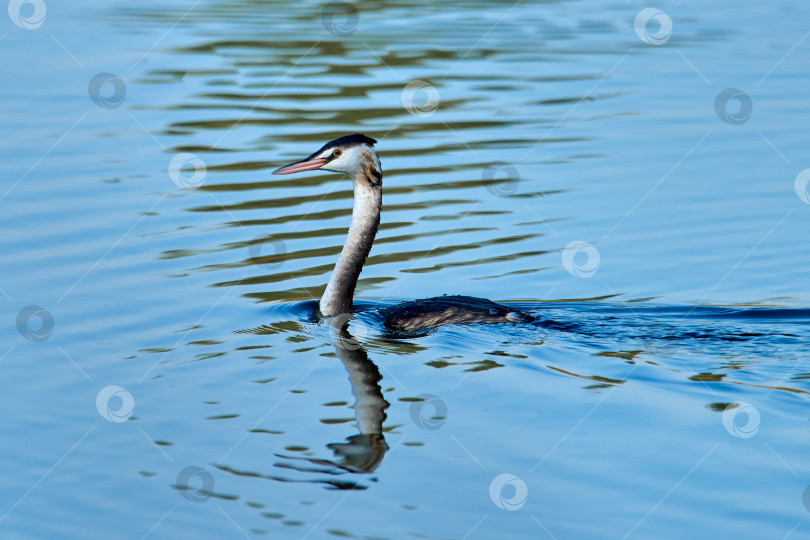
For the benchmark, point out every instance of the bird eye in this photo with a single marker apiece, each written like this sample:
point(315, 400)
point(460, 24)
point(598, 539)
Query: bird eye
point(337, 152)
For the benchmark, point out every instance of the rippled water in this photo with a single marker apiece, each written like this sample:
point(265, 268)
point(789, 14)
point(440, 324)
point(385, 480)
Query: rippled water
point(637, 185)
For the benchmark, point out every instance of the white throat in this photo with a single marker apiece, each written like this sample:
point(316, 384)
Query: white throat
point(367, 180)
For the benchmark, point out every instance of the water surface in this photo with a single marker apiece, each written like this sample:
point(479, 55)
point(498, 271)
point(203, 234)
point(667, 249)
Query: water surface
point(172, 378)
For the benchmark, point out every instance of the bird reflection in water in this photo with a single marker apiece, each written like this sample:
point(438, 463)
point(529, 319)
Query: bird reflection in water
point(363, 452)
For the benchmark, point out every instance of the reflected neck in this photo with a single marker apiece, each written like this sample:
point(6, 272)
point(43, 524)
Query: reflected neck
point(337, 298)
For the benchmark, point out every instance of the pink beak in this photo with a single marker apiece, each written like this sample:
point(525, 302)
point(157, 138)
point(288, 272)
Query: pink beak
point(300, 166)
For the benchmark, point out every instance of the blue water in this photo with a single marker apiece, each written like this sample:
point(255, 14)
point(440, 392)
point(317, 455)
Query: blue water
point(635, 179)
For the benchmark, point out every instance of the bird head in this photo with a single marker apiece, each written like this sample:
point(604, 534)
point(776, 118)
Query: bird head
point(350, 154)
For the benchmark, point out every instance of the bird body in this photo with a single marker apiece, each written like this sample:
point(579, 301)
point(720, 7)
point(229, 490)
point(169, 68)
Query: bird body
point(428, 313)
point(355, 156)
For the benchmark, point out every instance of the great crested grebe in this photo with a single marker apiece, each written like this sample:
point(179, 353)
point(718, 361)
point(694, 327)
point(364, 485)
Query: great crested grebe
point(355, 156)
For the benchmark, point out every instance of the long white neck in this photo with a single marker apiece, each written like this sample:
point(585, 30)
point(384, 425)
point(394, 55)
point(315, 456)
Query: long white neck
point(337, 298)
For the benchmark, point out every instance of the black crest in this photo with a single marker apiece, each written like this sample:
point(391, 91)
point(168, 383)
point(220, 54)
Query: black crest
point(347, 141)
